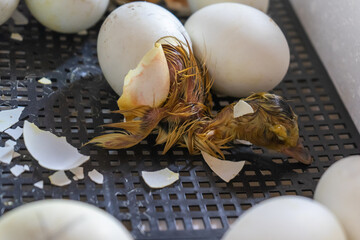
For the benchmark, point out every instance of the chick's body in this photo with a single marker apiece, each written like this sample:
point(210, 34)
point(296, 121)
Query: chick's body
point(185, 117)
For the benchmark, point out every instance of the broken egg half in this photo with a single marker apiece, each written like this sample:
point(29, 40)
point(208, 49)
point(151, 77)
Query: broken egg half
point(61, 220)
point(243, 48)
point(130, 32)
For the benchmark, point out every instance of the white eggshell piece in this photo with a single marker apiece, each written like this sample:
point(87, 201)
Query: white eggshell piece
point(195, 5)
point(242, 108)
point(226, 170)
point(286, 218)
point(15, 155)
point(160, 179)
point(26, 167)
point(17, 170)
point(59, 178)
point(83, 33)
point(96, 177)
point(52, 152)
point(45, 81)
point(9, 117)
point(17, 37)
point(19, 18)
point(7, 152)
point(128, 33)
point(61, 220)
point(243, 48)
point(7, 7)
point(15, 133)
point(67, 16)
point(339, 190)
point(39, 184)
point(78, 172)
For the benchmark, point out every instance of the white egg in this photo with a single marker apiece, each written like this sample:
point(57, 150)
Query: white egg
point(61, 220)
point(339, 190)
point(67, 16)
point(286, 218)
point(244, 50)
point(7, 7)
point(195, 5)
point(128, 33)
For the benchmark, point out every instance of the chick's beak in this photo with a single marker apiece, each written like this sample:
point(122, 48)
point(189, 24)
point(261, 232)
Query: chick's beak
point(299, 153)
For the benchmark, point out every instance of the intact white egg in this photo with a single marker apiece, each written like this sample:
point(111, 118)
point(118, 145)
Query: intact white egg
point(339, 190)
point(243, 48)
point(7, 7)
point(195, 5)
point(286, 218)
point(128, 33)
point(67, 16)
point(61, 220)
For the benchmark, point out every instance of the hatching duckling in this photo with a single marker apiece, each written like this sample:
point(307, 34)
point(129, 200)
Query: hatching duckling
point(185, 117)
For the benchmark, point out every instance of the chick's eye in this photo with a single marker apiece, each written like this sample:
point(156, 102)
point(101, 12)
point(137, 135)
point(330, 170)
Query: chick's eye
point(280, 131)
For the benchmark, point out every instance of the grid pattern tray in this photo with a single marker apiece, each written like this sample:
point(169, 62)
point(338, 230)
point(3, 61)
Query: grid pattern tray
point(199, 205)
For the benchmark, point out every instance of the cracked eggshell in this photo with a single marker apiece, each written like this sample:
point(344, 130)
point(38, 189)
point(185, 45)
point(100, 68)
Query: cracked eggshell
point(286, 218)
point(226, 170)
point(262, 5)
point(61, 220)
point(243, 48)
point(67, 16)
point(7, 7)
point(339, 190)
point(128, 33)
point(52, 152)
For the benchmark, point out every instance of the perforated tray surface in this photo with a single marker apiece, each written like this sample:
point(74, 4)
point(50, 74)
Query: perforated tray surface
point(200, 205)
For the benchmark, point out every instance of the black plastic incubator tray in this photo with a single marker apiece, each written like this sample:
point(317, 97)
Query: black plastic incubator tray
point(200, 205)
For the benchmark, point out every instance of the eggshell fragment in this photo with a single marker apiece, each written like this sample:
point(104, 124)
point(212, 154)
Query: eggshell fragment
point(226, 170)
point(39, 184)
point(147, 84)
point(286, 218)
point(160, 179)
point(9, 117)
point(19, 18)
point(61, 220)
point(15, 133)
point(50, 151)
point(17, 37)
point(96, 177)
point(15, 155)
point(17, 170)
point(59, 178)
point(45, 81)
point(7, 152)
point(339, 190)
point(242, 108)
point(78, 172)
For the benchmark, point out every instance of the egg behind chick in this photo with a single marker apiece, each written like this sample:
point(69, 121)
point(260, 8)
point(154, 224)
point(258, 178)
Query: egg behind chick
point(243, 48)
